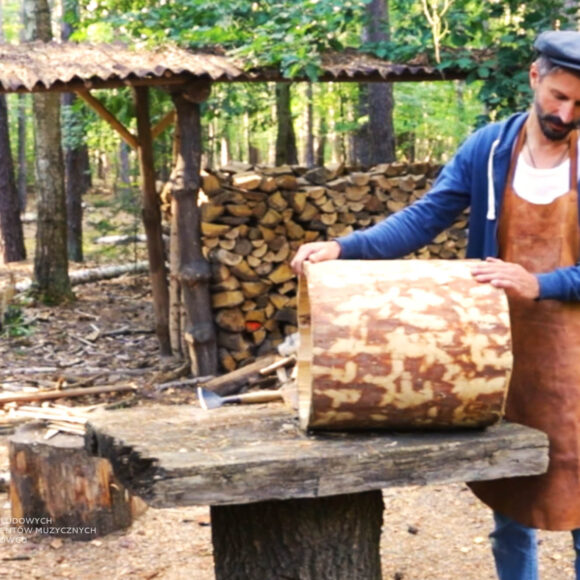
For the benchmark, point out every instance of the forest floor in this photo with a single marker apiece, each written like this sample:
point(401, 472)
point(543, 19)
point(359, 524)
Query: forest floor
point(429, 533)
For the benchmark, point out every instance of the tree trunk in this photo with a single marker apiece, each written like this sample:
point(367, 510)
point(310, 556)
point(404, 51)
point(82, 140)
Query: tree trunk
point(12, 238)
point(73, 155)
point(309, 126)
point(322, 138)
point(50, 261)
point(124, 168)
point(74, 184)
point(22, 162)
point(10, 223)
point(361, 137)
point(194, 271)
point(334, 538)
point(407, 142)
point(286, 151)
point(378, 96)
point(23, 102)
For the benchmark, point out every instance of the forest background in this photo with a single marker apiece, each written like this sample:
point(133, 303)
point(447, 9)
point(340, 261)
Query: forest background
point(305, 123)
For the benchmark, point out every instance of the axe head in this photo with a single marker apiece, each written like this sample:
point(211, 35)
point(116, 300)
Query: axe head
point(209, 399)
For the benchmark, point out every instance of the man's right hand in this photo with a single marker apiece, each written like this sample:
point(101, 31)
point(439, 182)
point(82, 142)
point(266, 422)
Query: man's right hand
point(315, 252)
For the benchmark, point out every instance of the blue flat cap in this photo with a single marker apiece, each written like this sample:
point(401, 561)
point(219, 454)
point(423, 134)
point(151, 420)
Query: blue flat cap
point(562, 47)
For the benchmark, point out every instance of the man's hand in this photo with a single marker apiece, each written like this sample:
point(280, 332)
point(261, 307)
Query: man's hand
point(513, 278)
point(315, 252)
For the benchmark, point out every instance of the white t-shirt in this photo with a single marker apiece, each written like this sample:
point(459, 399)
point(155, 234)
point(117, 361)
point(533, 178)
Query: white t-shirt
point(542, 186)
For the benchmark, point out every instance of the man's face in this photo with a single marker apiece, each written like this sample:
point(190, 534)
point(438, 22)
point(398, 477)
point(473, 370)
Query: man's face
point(556, 103)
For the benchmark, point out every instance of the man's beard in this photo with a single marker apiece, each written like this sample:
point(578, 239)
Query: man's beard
point(552, 126)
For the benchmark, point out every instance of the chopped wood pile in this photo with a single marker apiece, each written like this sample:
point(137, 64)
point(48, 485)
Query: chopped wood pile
point(255, 218)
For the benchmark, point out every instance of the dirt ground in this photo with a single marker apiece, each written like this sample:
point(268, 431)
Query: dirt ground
point(429, 533)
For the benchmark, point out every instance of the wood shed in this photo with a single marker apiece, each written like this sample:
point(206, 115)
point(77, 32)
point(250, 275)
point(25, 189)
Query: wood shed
point(187, 76)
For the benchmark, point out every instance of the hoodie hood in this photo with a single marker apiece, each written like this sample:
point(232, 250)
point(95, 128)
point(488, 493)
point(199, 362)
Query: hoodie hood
point(499, 159)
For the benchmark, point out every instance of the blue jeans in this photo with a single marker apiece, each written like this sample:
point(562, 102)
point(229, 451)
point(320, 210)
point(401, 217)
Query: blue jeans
point(515, 549)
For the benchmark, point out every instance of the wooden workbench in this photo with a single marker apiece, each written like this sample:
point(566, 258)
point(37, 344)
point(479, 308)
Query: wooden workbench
point(286, 504)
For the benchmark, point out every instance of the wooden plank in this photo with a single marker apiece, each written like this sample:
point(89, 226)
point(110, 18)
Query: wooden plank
point(182, 455)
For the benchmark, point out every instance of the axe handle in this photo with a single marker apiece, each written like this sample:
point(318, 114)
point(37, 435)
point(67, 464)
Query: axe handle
point(257, 397)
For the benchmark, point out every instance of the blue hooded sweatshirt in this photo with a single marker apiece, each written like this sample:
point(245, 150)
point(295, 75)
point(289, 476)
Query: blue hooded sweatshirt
point(475, 178)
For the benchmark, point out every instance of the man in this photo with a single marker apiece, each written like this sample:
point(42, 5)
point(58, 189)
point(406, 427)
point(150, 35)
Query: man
point(520, 179)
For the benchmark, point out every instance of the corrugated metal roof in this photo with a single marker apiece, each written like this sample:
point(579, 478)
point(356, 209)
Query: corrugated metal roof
point(44, 66)
point(41, 66)
point(352, 65)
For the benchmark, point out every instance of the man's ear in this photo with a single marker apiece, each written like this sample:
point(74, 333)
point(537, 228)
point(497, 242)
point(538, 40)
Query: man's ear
point(534, 76)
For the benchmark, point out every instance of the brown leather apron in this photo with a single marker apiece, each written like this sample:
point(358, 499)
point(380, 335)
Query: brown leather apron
point(544, 390)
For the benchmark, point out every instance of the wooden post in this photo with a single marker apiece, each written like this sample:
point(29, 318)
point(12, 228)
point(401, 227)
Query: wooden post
point(152, 222)
point(329, 537)
point(194, 271)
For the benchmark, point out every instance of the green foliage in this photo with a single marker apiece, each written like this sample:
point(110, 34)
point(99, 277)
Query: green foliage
point(507, 27)
point(438, 115)
point(75, 120)
point(15, 324)
point(290, 34)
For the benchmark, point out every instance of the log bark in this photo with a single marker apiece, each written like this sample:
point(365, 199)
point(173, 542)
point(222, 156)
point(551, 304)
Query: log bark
point(11, 230)
point(93, 274)
point(61, 490)
point(332, 538)
point(401, 344)
point(194, 272)
point(152, 222)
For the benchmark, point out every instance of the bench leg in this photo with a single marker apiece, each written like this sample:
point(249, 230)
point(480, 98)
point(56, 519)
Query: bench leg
point(335, 538)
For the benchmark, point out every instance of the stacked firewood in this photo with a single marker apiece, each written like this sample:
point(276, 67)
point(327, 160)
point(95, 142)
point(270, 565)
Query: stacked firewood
point(255, 218)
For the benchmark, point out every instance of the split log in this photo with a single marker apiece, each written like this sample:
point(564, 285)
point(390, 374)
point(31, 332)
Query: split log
point(62, 394)
point(401, 344)
point(254, 223)
point(232, 382)
point(61, 490)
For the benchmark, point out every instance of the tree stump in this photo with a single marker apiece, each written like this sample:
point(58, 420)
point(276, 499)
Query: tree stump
point(59, 489)
point(335, 538)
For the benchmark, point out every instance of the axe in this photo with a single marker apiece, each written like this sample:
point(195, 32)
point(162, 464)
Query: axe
point(210, 400)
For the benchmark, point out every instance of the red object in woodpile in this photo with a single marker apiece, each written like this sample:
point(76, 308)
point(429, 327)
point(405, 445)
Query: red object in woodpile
point(401, 344)
point(253, 326)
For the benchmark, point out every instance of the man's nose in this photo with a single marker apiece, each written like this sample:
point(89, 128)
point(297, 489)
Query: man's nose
point(566, 112)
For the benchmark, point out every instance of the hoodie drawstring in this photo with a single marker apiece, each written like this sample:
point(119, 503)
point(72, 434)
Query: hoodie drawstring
point(490, 188)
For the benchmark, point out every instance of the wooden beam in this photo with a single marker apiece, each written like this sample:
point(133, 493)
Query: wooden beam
point(107, 116)
point(252, 453)
point(167, 120)
point(152, 221)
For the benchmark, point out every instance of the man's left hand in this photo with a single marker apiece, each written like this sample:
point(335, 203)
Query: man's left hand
point(513, 278)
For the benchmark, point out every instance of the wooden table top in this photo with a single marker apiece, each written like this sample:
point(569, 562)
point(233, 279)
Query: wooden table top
point(183, 455)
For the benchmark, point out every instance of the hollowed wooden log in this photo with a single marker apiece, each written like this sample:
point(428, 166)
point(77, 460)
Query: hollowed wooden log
point(401, 344)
